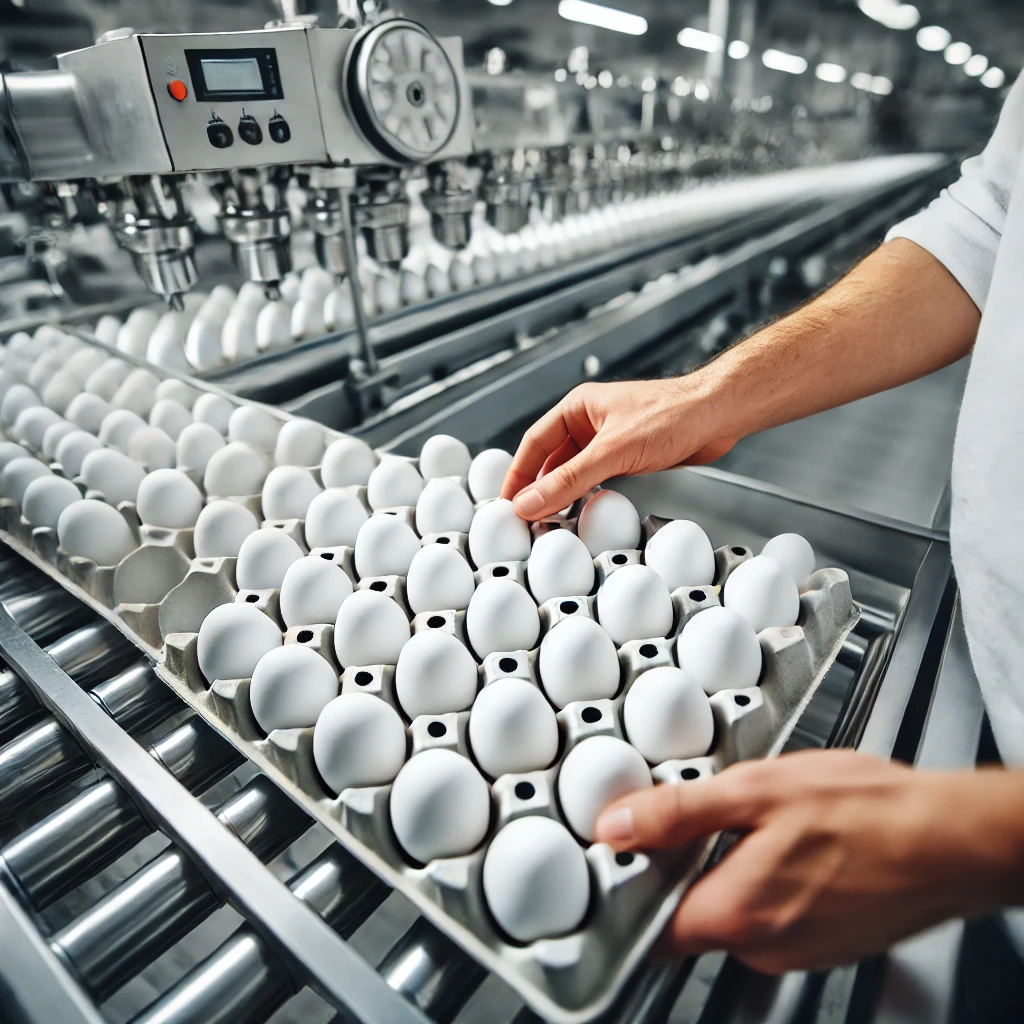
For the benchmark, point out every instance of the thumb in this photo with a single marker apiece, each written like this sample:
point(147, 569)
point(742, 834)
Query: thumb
point(569, 481)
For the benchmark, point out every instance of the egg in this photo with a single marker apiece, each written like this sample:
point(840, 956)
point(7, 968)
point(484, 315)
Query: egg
point(385, 546)
point(307, 320)
point(46, 497)
point(213, 409)
point(263, 559)
point(18, 474)
point(436, 281)
point(385, 293)
point(107, 378)
point(55, 433)
point(440, 806)
point(152, 448)
point(794, 552)
point(358, 740)
point(9, 451)
point(106, 329)
point(535, 879)
point(460, 273)
point(287, 492)
point(763, 592)
point(43, 368)
point(254, 426)
point(633, 603)
point(133, 335)
point(19, 397)
point(443, 455)
point(203, 342)
point(223, 295)
point(681, 554)
point(73, 448)
point(609, 522)
point(370, 630)
point(719, 648)
point(60, 390)
point(299, 443)
point(438, 578)
point(289, 286)
point(137, 393)
point(443, 507)
point(512, 728)
point(578, 661)
point(196, 445)
point(170, 416)
point(113, 474)
point(221, 528)
point(166, 347)
point(501, 617)
point(177, 390)
point(31, 425)
point(666, 714)
point(232, 640)
point(339, 309)
point(238, 335)
point(290, 686)
point(312, 591)
point(251, 296)
point(348, 462)
point(595, 773)
point(315, 284)
point(168, 498)
point(393, 483)
point(88, 411)
point(94, 530)
point(273, 327)
point(485, 270)
point(235, 469)
point(497, 534)
point(412, 289)
point(487, 472)
point(118, 427)
point(334, 518)
point(559, 566)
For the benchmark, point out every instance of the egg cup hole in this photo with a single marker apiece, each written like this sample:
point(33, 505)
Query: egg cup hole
point(364, 678)
point(741, 700)
point(525, 790)
point(624, 858)
point(499, 571)
point(590, 715)
point(648, 651)
point(689, 774)
point(378, 585)
point(698, 595)
point(436, 621)
point(252, 598)
point(327, 556)
point(738, 551)
point(443, 540)
point(508, 665)
point(568, 607)
point(619, 559)
point(437, 729)
point(304, 636)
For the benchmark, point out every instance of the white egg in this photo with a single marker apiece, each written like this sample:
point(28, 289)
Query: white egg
point(137, 393)
point(443, 455)
point(497, 534)
point(94, 530)
point(234, 470)
point(46, 497)
point(578, 661)
point(19, 397)
point(393, 483)
point(609, 522)
point(385, 546)
point(348, 462)
point(203, 342)
point(73, 448)
point(196, 445)
point(290, 286)
point(763, 592)
point(460, 273)
point(60, 390)
point(334, 518)
point(113, 474)
point(18, 474)
point(7, 379)
point(287, 492)
point(485, 271)
point(170, 416)
point(358, 740)
point(307, 320)
point(443, 507)
point(133, 335)
point(299, 443)
point(512, 728)
point(251, 296)
point(106, 379)
point(30, 427)
point(43, 368)
point(238, 335)
point(440, 806)
point(435, 674)
point(487, 473)
point(667, 715)
point(794, 552)
point(273, 327)
point(152, 448)
point(232, 640)
point(290, 686)
point(536, 880)
point(312, 591)
point(222, 295)
point(166, 347)
point(370, 630)
point(436, 281)
point(168, 498)
point(106, 328)
point(385, 293)
point(263, 559)
point(221, 528)
point(55, 433)
point(559, 566)
point(501, 617)
point(177, 390)
point(254, 426)
point(633, 603)
point(9, 451)
point(88, 411)
point(339, 309)
point(681, 554)
point(213, 409)
point(315, 284)
point(595, 773)
point(719, 648)
point(412, 289)
point(439, 578)
point(118, 427)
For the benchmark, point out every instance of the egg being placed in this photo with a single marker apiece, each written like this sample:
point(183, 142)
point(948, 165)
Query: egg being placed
point(536, 880)
point(307, 320)
point(213, 409)
point(72, 449)
point(681, 554)
point(89, 411)
point(578, 661)
point(497, 534)
point(393, 483)
point(512, 728)
point(195, 446)
point(487, 472)
point(794, 552)
point(436, 281)
point(113, 474)
point(166, 347)
point(435, 674)
point(440, 806)
point(633, 603)
point(94, 530)
point(312, 592)
point(287, 492)
point(595, 773)
point(358, 740)
point(221, 527)
point(118, 427)
point(315, 284)
point(339, 309)
point(273, 326)
point(609, 522)
point(385, 293)
point(439, 578)
point(667, 715)
point(334, 518)
point(348, 462)
point(460, 274)
point(443, 455)
point(263, 559)
point(719, 648)
point(168, 498)
point(501, 617)
point(236, 469)
point(290, 686)
point(763, 592)
point(106, 328)
point(443, 507)
point(299, 443)
point(370, 630)
point(559, 566)
point(385, 546)
point(152, 448)
point(412, 289)
point(46, 497)
point(238, 335)
point(232, 640)
point(133, 335)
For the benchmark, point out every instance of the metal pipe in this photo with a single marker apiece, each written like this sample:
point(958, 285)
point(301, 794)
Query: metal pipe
point(366, 352)
point(48, 613)
point(166, 898)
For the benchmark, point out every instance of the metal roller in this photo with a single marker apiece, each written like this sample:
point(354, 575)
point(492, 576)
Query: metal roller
point(169, 896)
point(245, 981)
point(48, 612)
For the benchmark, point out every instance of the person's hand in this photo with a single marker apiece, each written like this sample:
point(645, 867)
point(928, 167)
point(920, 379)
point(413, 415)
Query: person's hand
point(841, 854)
point(599, 431)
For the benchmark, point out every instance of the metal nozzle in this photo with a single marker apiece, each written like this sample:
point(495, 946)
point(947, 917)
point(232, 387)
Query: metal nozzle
point(382, 214)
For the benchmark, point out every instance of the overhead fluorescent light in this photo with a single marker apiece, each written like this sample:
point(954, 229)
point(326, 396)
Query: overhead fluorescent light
point(738, 49)
point(605, 79)
point(681, 87)
point(881, 86)
point(993, 78)
point(695, 39)
point(933, 38)
point(830, 72)
point(649, 83)
point(702, 92)
point(779, 60)
point(891, 13)
point(862, 80)
point(957, 53)
point(976, 66)
point(500, 3)
point(587, 13)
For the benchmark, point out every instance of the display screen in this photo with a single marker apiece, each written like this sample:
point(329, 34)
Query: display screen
point(234, 74)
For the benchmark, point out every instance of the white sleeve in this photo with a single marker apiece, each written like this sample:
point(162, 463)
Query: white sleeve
point(962, 228)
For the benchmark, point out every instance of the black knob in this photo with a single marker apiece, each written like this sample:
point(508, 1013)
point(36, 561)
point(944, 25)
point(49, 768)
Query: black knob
point(219, 134)
point(249, 130)
point(278, 128)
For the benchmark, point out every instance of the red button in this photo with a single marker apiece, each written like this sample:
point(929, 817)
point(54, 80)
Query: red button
point(177, 89)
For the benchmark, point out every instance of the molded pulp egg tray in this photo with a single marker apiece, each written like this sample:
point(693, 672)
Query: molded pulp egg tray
point(159, 595)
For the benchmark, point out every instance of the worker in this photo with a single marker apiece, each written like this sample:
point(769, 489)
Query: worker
point(842, 854)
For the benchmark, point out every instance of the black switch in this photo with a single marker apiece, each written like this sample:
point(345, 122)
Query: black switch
point(219, 134)
point(249, 130)
point(278, 128)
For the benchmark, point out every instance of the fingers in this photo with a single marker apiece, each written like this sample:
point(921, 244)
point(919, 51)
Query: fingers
point(543, 439)
point(567, 482)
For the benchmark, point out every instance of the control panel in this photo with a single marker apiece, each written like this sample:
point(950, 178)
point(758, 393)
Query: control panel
point(235, 99)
